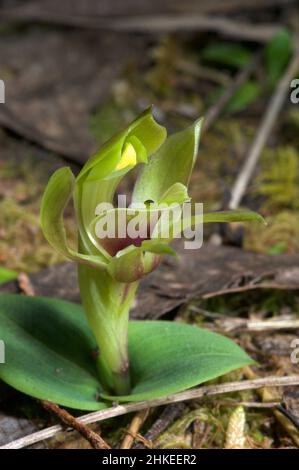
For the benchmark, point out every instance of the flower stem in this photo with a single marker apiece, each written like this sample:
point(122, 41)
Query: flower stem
point(107, 304)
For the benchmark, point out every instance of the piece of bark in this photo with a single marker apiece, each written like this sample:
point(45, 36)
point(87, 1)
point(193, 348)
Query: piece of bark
point(291, 401)
point(166, 418)
point(55, 83)
point(207, 272)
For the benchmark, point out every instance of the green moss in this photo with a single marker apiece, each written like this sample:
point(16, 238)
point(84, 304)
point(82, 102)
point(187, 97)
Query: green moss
point(22, 245)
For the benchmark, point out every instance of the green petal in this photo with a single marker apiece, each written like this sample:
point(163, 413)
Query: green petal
point(208, 217)
point(56, 196)
point(171, 164)
point(232, 216)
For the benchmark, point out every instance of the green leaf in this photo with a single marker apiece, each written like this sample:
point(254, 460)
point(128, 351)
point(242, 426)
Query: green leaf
point(170, 165)
point(168, 357)
point(55, 199)
point(278, 52)
point(244, 96)
point(49, 353)
point(7, 275)
point(227, 53)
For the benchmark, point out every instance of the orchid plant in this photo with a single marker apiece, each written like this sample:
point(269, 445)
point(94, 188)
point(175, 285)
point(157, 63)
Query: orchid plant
point(52, 351)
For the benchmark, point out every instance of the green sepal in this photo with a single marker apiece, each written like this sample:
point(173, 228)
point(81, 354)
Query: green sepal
point(171, 164)
point(208, 217)
point(56, 196)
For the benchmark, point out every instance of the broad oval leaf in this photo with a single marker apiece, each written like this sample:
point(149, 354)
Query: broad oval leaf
point(168, 357)
point(48, 351)
point(50, 354)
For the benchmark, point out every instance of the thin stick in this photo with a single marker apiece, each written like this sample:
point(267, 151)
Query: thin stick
point(241, 77)
point(193, 394)
point(262, 285)
point(263, 133)
point(245, 404)
point(133, 429)
point(240, 324)
point(92, 437)
point(214, 111)
point(153, 23)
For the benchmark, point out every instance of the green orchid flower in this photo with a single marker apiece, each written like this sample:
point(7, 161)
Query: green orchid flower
point(110, 268)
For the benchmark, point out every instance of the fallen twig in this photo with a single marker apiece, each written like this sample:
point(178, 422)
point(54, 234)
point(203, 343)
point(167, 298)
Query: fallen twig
point(152, 23)
point(92, 437)
point(203, 72)
point(215, 110)
point(192, 394)
point(245, 404)
point(133, 429)
point(247, 287)
point(241, 324)
point(263, 133)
